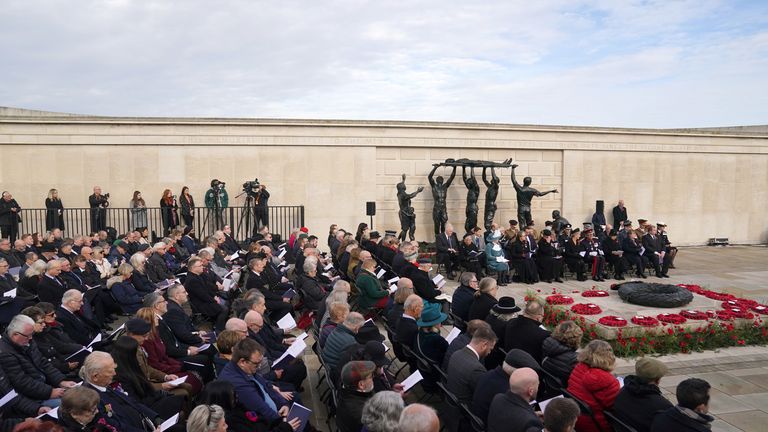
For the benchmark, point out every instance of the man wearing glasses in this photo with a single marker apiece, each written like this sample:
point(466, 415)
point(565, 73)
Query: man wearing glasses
point(29, 373)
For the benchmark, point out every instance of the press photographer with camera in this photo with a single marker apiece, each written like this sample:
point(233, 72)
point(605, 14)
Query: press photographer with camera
point(99, 204)
point(216, 200)
point(169, 211)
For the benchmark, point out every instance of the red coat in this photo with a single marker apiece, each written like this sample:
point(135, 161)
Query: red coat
point(158, 359)
point(598, 389)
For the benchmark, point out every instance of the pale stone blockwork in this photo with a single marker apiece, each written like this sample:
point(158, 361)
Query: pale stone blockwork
point(703, 183)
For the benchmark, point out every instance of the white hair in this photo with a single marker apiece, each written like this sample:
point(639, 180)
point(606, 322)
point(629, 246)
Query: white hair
point(159, 245)
point(19, 322)
point(93, 363)
point(205, 418)
point(69, 295)
point(381, 413)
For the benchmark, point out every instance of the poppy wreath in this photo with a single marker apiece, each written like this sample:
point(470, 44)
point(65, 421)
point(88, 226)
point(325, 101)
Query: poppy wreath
point(739, 304)
point(594, 293)
point(761, 309)
point(694, 315)
point(645, 321)
point(741, 313)
point(559, 299)
point(718, 295)
point(696, 289)
point(722, 315)
point(586, 309)
point(672, 318)
point(612, 321)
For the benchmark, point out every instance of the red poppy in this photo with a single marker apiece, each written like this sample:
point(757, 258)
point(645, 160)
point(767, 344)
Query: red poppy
point(594, 293)
point(559, 299)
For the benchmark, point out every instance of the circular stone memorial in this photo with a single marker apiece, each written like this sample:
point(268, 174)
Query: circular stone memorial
point(655, 294)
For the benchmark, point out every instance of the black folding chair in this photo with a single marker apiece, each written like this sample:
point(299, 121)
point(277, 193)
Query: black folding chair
point(617, 424)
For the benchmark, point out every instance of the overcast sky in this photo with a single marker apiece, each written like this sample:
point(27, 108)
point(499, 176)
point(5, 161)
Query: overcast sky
point(595, 63)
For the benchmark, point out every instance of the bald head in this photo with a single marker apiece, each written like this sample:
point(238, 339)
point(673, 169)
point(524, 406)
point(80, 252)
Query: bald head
point(418, 418)
point(236, 325)
point(253, 317)
point(524, 382)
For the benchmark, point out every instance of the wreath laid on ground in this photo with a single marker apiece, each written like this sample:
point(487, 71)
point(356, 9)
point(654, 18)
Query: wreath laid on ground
point(761, 309)
point(673, 318)
point(718, 295)
point(740, 303)
point(694, 315)
point(645, 321)
point(595, 293)
point(655, 295)
point(612, 321)
point(586, 309)
point(740, 313)
point(697, 289)
point(559, 299)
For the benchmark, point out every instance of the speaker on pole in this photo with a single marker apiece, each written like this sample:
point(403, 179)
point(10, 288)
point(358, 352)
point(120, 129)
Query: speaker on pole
point(370, 210)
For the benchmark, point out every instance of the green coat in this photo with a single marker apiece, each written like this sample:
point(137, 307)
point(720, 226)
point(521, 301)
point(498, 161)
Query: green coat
point(210, 197)
point(369, 288)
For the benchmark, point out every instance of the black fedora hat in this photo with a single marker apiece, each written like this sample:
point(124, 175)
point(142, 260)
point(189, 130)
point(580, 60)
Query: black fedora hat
point(506, 305)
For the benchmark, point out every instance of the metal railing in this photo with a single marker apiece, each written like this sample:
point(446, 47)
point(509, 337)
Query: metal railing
point(79, 221)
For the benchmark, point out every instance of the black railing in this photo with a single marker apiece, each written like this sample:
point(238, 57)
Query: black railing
point(79, 221)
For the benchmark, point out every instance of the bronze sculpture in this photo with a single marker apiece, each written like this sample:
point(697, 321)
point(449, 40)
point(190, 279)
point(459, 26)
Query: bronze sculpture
point(473, 193)
point(490, 197)
point(440, 193)
point(525, 194)
point(407, 213)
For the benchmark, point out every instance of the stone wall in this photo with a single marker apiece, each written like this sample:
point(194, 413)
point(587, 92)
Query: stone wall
point(702, 183)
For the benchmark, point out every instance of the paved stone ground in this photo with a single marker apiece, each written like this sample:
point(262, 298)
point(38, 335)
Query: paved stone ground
point(739, 376)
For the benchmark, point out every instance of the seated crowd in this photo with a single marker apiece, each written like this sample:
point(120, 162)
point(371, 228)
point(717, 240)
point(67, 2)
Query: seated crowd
point(533, 256)
point(210, 325)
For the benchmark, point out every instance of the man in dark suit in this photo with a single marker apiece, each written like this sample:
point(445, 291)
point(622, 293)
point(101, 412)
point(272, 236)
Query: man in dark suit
point(119, 409)
point(496, 381)
point(512, 411)
point(632, 248)
point(466, 368)
point(385, 251)
point(655, 252)
point(178, 320)
point(98, 204)
point(51, 288)
point(418, 273)
point(293, 372)
point(29, 373)
point(204, 299)
point(258, 278)
point(447, 245)
point(7, 282)
point(9, 217)
point(157, 269)
point(619, 214)
point(10, 255)
point(79, 328)
point(230, 245)
point(407, 329)
point(525, 332)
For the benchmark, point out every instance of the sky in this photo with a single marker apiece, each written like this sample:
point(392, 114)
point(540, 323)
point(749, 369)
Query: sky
point(613, 63)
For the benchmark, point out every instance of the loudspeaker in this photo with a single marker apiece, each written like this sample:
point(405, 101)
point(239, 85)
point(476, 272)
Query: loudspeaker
point(599, 206)
point(370, 208)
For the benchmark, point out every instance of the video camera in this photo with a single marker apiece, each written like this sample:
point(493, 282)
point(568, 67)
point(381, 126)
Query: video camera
point(217, 185)
point(251, 187)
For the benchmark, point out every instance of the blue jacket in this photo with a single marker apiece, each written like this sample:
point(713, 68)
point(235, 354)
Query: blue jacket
point(338, 341)
point(125, 294)
point(189, 244)
point(249, 394)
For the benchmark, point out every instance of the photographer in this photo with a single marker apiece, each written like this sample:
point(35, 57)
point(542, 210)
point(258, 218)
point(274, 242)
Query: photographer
point(99, 204)
point(216, 200)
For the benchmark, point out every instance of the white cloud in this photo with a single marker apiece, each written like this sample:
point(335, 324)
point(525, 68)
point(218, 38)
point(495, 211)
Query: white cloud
point(645, 64)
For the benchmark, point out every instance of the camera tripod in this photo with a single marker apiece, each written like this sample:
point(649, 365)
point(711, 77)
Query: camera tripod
point(247, 217)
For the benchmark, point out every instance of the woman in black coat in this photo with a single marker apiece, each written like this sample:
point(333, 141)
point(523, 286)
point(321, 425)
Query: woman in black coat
point(134, 382)
point(548, 259)
point(520, 258)
point(485, 299)
point(470, 256)
point(54, 211)
point(559, 350)
point(572, 257)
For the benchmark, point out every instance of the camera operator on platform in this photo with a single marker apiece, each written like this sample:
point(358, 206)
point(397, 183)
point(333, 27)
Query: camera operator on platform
point(216, 200)
point(99, 204)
